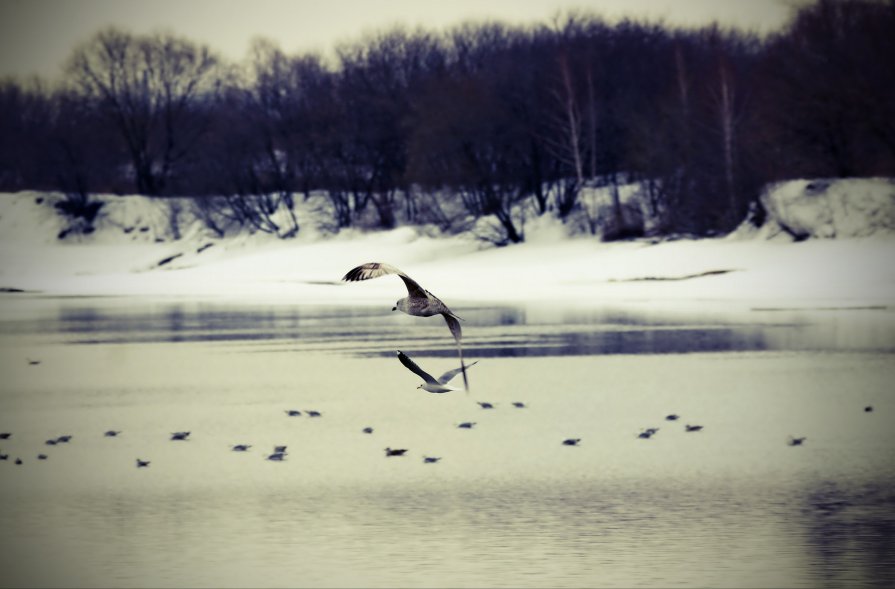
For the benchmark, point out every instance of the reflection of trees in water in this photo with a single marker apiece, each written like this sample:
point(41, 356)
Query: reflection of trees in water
point(851, 531)
point(489, 331)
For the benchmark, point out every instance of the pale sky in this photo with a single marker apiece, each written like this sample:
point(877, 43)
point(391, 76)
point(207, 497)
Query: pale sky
point(36, 36)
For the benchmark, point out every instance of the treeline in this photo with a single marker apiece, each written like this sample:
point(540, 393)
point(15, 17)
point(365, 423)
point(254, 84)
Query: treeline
point(483, 121)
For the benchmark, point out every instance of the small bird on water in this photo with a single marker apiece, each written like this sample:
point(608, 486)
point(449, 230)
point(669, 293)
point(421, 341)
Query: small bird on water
point(796, 441)
point(142, 463)
point(395, 451)
point(418, 302)
point(431, 459)
point(180, 435)
point(693, 428)
point(571, 441)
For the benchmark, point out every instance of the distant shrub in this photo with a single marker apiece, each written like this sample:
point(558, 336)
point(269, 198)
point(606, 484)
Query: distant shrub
point(80, 210)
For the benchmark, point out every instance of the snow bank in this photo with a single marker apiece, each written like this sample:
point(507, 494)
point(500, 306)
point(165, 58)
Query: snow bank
point(745, 269)
point(858, 207)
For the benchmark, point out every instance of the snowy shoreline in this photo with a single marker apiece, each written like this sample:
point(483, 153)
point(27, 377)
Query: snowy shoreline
point(749, 268)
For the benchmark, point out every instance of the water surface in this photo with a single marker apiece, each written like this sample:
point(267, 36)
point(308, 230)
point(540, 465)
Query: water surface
point(507, 505)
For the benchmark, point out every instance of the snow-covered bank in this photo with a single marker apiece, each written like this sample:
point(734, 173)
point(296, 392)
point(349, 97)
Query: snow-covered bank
point(123, 255)
point(857, 207)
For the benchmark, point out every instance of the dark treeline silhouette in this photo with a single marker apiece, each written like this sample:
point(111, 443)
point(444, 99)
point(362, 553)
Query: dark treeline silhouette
point(480, 122)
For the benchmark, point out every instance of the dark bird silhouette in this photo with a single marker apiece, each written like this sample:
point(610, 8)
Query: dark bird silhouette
point(868, 408)
point(484, 404)
point(431, 384)
point(293, 412)
point(367, 430)
point(796, 441)
point(672, 417)
point(41, 456)
point(33, 362)
point(571, 441)
point(645, 435)
point(279, 449)
point(692, 428)
point(5, 435)
point(4, 456)
point(180, 435)
point(395, 452)
point(418, 302)
point(519, 404)
point(277, 456)
point(431, 459)
point(18, 461)
point(112, 433)
point(64, 439)
point(466, 425)
point(142, 463)
point(51, 442)
point(313, 413)
point(241, 447)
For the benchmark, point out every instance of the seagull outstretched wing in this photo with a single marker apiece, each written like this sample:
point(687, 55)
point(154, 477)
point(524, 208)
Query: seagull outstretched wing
point(411, 365)
point(447, 376)
point(377, 269)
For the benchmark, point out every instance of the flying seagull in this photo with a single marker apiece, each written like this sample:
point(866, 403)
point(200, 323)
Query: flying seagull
point(432, 385)
point(419, 301)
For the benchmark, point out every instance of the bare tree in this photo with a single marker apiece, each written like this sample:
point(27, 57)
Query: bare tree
point(153, 88)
